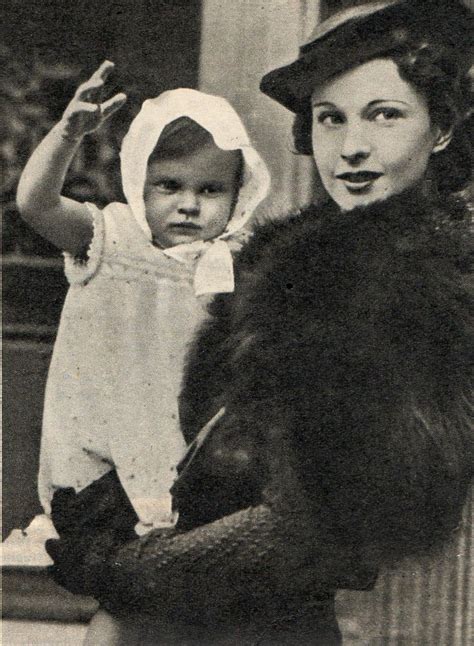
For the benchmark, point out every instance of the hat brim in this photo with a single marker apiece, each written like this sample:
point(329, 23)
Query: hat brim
point(348, 45)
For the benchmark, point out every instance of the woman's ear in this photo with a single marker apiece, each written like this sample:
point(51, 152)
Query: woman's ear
point(442, 140)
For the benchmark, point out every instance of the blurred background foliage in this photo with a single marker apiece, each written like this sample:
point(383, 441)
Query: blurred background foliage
point(30, 96)
point(51, 47)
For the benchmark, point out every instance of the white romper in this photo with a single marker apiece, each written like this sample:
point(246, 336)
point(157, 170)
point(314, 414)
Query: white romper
point(115, 374)
point(128, 319)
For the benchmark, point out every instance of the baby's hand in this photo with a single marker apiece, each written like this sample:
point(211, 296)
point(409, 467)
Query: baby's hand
point(85, 113)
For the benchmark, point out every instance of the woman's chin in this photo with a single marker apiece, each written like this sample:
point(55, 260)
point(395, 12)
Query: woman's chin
point(352, 202)
point(348, 200)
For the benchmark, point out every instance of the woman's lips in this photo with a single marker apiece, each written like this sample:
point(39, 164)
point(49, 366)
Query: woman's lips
point(359, 181)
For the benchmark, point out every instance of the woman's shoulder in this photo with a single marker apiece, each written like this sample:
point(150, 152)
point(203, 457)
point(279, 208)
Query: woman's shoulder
point(407, 228)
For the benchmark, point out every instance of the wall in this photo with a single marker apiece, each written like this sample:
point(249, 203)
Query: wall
point(241, 41)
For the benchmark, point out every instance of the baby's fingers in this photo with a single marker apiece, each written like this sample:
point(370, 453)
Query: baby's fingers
point(91, 89)
point(112, 105)
point(82, 116)
point(89, 92)
point(103, 71)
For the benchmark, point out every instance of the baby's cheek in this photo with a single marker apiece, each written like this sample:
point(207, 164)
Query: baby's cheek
point(220, 210)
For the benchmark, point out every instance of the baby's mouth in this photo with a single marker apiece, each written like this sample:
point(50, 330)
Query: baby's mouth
point(185, 225)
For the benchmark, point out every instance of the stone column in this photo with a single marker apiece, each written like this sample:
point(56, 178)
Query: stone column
point(241, 41)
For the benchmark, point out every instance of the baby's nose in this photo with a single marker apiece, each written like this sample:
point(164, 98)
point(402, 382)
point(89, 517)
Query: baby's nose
point(189, 203)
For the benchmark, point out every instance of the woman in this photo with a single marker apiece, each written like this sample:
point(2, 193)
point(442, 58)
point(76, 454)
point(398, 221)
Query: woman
point(337, 377)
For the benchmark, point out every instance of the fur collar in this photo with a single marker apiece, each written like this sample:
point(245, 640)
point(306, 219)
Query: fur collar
point(352, 334)
point(392, 280)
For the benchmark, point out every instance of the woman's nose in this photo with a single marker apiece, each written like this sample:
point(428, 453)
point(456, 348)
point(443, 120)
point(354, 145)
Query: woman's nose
point(189, 203)
point(356, 146)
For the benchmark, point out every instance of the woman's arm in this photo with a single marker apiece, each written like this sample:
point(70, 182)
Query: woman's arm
point(64, 222)
point(200, 573)
point(248, 557)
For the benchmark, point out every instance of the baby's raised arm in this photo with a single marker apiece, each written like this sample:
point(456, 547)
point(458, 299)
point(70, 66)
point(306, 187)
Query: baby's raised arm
point(64, 222)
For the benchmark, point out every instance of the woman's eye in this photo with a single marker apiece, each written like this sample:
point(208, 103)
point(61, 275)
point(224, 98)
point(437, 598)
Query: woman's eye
point(382, 115)
point(330, 119)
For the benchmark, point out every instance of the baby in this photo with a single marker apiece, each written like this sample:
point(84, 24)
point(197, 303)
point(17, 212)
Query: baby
point(140, 276)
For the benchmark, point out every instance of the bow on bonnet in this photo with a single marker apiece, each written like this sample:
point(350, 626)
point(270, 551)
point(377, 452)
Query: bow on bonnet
point(214, 268)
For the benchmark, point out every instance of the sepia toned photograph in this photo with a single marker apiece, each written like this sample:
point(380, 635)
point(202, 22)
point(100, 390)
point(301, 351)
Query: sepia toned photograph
point(238, 322)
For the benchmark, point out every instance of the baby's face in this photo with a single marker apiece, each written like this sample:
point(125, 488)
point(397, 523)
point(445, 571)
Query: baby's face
point(191, 198)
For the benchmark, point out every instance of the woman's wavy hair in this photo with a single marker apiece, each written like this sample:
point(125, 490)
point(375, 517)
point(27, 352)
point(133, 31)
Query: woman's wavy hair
point(440, 74)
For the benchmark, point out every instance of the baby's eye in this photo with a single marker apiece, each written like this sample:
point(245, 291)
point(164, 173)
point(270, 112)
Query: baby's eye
point(166, 186)
point(330, 119)
point(212, 189)
point(382, 115)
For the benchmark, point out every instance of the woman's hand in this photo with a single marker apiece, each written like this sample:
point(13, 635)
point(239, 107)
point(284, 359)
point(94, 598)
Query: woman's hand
point(85, 113)
point(102, 504)
point(75, 567)
point(98, 519)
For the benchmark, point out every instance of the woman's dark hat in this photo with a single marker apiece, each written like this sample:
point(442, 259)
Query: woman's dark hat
point(359, 33)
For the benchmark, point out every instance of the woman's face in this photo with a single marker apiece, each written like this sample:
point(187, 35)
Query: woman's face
point(372, 135)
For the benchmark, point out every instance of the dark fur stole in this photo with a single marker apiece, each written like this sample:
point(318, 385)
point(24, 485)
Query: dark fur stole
point(349, 341)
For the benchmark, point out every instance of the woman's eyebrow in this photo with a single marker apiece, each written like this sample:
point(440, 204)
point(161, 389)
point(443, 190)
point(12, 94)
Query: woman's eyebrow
point(322, 104)
point(375, 101)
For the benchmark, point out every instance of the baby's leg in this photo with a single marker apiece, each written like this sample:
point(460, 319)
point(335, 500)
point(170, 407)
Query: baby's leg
point(104, 630)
